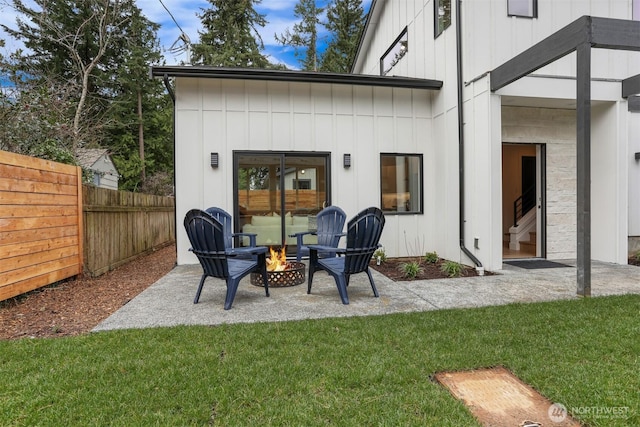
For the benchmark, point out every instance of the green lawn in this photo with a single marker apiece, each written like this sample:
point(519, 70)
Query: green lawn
point(360, 371)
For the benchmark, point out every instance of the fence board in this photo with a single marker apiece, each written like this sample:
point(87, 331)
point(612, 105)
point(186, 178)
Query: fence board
point(48, 278)
point(40, 223)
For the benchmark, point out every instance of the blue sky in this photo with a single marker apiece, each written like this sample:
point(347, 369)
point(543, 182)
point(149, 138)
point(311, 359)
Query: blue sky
point(278, 13)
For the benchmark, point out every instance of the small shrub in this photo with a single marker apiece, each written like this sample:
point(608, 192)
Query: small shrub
point(380, 256)
point(637, 256)
point(410, 269)
point(431, 257)
point(452, 268)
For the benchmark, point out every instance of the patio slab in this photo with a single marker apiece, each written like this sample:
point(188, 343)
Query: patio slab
point(169, 301)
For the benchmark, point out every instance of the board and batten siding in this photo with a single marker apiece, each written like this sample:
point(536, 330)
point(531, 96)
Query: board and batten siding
point(490, 37)
point(41, 223)
point(222, 116)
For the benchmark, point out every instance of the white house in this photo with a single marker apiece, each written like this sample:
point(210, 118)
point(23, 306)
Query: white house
point(98, 162)
point(457, 118)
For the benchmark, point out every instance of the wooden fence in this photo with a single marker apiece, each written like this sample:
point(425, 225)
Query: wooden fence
point(120, 226)
point(40, 223)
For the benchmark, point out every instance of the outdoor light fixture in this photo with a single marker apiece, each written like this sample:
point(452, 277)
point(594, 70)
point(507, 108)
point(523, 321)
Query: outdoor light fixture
point(214, 160)
point(347, 160)
point(637, 156)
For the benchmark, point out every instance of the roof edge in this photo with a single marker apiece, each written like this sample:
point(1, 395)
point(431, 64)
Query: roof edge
point(293, 76)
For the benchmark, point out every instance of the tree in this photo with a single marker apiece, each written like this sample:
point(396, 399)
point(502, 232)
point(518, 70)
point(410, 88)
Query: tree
point(68, 40)
point(345, 20)
point(86, 67)
point(138, 129)
point(230, 38)
point(305, 34)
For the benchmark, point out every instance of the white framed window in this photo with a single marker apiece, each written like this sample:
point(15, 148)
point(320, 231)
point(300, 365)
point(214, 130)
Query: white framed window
point(401, 183)
point(442, 15)
point(396, 51)
point(522, 8)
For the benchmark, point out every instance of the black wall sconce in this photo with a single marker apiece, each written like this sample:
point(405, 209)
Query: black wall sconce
point(637, 156)
point(347, 161)
point(214, 160)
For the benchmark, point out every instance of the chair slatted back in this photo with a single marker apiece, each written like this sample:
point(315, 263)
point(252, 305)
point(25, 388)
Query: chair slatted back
point(227, 223)
point(363, 235)
point(207, 238)
point(330, 222)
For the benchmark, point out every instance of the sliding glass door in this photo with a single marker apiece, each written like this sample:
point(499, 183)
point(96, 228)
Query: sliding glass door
point(279, 194)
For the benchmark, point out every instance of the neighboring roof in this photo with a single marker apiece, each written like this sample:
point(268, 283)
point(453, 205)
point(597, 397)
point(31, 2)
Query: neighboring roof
point(293, 76)
point(87, 157)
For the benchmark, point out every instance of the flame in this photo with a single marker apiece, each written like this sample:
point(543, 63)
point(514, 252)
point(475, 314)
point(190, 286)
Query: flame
point(278, 260)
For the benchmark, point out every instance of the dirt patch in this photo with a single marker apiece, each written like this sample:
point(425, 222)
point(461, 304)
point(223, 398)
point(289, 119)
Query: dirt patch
point(496, 397)
point(76, 306)
point(392, 268)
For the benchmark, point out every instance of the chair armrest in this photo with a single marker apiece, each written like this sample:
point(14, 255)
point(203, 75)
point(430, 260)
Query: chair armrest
point(257, 250)
point(301, 233)
point(251, 236)
point(320, 248)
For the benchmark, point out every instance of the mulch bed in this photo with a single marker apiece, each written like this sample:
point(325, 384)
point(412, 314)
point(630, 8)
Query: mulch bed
point(392, 269)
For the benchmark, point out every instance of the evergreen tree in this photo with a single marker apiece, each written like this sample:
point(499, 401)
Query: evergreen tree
point(305, 34)
point(345, 20)
point(230, 38)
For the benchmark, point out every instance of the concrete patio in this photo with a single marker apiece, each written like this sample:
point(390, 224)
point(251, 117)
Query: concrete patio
point(169, 301)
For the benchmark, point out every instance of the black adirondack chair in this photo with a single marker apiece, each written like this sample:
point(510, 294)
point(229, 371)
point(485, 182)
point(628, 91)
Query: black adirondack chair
point(330, 222)
point(363, 237)
point(208, 243)
point(227, 225)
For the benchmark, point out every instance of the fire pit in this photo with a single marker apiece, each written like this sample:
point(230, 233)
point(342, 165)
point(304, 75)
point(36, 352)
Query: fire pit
point(280, 272)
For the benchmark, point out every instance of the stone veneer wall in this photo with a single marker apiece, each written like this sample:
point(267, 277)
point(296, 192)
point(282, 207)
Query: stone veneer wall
point(556, 129)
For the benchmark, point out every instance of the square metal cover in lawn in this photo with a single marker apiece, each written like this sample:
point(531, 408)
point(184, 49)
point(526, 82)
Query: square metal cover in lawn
point(496, 398)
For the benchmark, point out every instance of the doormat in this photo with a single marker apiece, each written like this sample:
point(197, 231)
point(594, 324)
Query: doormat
point(498, 398)
point(532, 264)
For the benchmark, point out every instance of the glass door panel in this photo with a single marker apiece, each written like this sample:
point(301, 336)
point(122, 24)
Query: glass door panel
point(260, 198)
point(273, 214)
point(305, 194)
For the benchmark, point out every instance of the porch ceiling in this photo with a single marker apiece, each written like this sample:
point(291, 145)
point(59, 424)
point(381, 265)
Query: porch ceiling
point(557, 103)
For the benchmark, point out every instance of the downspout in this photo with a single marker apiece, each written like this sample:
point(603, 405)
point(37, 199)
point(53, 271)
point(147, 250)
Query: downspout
point(167, 84)
point(165, 78)
point(464, 249)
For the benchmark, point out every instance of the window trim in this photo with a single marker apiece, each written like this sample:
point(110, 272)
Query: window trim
point(420, 210)
point(403, 33)
point(534, 11)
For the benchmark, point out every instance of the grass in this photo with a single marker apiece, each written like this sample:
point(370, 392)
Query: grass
point(345, 372)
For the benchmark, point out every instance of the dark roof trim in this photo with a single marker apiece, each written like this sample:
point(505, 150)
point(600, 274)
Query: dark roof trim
point(634, 104)
point(294, 76)
point(631, 86)
point(605, 33)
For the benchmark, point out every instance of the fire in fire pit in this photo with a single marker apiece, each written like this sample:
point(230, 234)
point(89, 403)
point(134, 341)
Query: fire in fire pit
point(280, 272)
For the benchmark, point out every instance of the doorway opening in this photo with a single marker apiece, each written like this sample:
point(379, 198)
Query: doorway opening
point(279, 194)
point(523, 202)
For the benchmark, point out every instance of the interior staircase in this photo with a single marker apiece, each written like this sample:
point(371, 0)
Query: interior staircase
point(522, 237)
